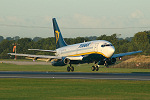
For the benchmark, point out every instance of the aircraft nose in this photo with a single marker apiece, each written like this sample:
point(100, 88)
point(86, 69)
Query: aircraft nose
point(111, 51)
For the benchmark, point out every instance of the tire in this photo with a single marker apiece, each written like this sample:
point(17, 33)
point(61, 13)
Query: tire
point(93, 68)
point(72, 68)
point(97, 68)
point(68, 69)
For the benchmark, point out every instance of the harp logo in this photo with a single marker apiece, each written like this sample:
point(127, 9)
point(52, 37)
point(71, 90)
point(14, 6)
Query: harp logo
point(57, 36)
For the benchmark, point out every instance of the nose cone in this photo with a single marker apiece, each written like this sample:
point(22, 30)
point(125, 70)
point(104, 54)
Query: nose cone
point(109, 51)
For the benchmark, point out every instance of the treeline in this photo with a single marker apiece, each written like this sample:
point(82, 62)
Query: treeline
point(140, 41)
point(17, 38)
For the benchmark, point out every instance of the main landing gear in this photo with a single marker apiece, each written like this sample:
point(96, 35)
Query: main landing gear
point(95, 67)
point(70, 68)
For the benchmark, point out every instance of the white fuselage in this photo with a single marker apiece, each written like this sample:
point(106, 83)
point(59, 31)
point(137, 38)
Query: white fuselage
point(102, 47)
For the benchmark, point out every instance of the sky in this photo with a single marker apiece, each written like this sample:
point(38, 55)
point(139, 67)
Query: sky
point(76, 18)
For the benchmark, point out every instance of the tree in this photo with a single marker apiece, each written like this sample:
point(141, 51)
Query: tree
point(9, 38)
point(1, 38)
point(35, 39)
point(141, 41)
point(140, 38)
point(24, 45)
point(5, 47)
point(16, 38)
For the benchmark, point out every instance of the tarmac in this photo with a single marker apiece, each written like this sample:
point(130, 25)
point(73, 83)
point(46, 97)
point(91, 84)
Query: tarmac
point(70, 75)
point(76, 75)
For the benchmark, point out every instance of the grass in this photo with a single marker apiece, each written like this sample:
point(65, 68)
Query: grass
point(78, 68)
point(62, 89)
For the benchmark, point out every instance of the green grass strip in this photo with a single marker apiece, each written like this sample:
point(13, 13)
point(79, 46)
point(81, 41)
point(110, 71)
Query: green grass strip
point(78, 68)
point(72, 89)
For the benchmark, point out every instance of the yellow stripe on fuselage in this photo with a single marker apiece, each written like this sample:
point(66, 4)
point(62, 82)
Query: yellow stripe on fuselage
point(87, 53)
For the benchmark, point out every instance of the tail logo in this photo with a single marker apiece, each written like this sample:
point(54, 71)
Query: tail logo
point(57, 36)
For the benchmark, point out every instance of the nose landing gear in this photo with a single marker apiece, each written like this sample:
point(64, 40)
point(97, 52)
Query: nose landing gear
point(106, 64)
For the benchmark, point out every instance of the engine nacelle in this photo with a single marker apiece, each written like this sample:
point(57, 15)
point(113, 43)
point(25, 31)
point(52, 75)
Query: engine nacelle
point(61, 62)
point(111, 61)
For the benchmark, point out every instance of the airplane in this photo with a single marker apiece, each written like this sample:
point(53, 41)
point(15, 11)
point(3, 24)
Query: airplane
point(99, 52)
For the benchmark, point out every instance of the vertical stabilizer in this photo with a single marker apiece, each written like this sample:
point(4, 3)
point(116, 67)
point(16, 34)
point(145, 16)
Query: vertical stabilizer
point(58, 37)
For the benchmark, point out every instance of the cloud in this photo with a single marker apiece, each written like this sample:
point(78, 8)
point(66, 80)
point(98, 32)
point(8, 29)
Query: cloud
point(11, 20)
point(100, 22)
point(137, 14)
point(78, 20)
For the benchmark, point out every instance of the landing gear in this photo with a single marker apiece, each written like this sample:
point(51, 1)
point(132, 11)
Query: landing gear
point(106, 64)
point(70, 68)
point(95, 67)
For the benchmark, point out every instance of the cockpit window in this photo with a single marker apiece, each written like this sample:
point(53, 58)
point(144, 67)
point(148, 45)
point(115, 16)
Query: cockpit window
point(102, 45)
point(106, 45)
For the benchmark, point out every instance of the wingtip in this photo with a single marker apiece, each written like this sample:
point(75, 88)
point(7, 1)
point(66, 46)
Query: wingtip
point(140, 51)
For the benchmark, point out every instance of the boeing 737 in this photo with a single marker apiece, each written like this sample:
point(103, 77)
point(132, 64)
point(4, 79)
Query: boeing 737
point(99, 52)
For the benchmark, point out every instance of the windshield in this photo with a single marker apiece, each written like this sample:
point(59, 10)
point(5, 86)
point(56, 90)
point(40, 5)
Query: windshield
point(104, 45)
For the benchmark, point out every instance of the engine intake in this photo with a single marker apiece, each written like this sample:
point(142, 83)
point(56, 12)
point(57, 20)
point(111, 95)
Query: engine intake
point(113, 60)
point(66, 61)
point(109, 61)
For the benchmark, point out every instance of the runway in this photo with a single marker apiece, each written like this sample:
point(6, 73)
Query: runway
point(76, 75)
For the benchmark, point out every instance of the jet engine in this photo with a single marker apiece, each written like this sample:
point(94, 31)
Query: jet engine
point(108, 61)
point(111, 61)
point(60, 62)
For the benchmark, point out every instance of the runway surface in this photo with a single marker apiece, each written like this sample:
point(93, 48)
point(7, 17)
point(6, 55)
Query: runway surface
point(76, 75)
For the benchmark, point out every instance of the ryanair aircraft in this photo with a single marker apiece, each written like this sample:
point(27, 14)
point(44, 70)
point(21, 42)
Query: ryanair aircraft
point(99, 52)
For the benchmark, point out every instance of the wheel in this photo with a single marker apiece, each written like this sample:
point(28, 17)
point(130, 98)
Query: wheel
point(93, 68)
point(72, 68)
point(106, 65)
point(97, 68)
point(68, 69)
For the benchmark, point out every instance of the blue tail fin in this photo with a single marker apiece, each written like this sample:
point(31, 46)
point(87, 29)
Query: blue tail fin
point(58, 37)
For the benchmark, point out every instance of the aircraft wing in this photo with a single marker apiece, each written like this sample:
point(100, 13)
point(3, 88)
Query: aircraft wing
point(36, 56)
point(47, 56)
point(53, 51)
point(125, 54)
